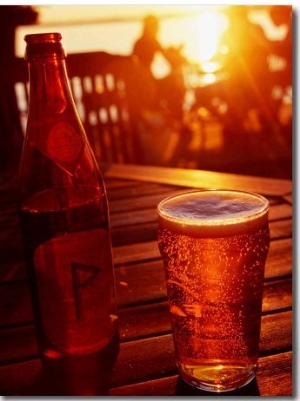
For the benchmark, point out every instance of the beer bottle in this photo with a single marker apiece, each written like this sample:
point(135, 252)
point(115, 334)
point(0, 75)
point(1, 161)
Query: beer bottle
point(65, 225)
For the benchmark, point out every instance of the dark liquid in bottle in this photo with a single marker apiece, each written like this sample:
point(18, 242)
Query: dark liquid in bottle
point(68, 254)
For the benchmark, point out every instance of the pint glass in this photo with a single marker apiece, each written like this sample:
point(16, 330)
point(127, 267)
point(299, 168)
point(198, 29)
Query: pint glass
point(214, 246)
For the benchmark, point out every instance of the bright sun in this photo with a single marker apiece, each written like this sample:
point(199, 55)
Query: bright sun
point(208, 28)
point(208, 33)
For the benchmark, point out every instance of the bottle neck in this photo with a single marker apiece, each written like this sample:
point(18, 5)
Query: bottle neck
point(53, 126)
point(49, 86)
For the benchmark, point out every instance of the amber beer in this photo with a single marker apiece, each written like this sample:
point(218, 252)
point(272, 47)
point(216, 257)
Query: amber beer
point(214, 246)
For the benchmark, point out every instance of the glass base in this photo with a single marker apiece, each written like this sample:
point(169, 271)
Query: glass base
point(217, 378)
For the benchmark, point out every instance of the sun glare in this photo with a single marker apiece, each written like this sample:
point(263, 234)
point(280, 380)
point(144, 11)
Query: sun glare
point(208, 28)
point(208, 33)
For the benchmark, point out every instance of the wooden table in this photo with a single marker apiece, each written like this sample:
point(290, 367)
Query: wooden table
point(145, 365)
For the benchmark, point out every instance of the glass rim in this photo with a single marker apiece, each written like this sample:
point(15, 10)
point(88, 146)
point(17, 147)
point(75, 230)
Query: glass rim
point(214, 222)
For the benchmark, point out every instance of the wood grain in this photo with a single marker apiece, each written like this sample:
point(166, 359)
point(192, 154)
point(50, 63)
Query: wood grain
point(199, 179)
point(133, 195)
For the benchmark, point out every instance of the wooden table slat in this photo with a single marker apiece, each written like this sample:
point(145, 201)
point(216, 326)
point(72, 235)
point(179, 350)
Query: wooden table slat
point(200, 179)
point(140, 321)
point(279, 261)
point(272, 369)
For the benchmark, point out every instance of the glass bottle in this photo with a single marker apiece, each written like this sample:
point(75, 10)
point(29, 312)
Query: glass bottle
point(65, 225)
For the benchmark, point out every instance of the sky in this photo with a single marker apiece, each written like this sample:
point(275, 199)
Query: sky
point(114, 28)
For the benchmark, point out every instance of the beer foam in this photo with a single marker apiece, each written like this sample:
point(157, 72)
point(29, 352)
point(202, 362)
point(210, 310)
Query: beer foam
point(213, 212)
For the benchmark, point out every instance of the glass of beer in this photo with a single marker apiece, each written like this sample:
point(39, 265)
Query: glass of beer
point(214, 245)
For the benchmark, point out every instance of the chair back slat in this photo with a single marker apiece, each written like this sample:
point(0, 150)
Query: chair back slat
point(102, 85)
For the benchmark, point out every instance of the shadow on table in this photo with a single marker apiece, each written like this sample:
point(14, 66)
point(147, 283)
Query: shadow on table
point(183, 388)
point(53, 384)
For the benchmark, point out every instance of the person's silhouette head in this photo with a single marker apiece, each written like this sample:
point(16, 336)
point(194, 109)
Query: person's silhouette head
point(151, 26)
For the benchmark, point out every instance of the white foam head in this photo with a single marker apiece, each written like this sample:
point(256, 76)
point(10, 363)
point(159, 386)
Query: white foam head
point(213, 212)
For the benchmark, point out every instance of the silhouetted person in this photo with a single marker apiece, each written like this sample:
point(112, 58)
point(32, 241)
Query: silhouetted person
point(148, 45)
point(244, 60)
point(159, 106)
point(252, 125)
point(246, 90)
point(247, 63)
point(144, 51)
point(158, 94)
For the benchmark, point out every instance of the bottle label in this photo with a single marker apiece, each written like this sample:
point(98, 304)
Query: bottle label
point(75, 284)
point(64, 146)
